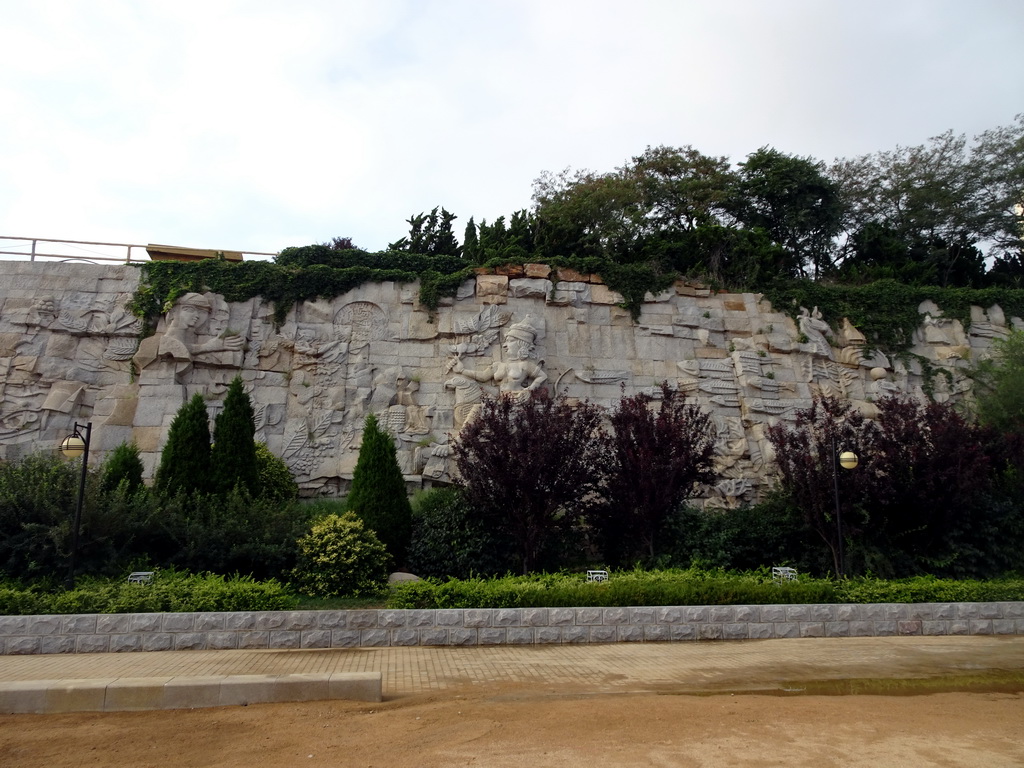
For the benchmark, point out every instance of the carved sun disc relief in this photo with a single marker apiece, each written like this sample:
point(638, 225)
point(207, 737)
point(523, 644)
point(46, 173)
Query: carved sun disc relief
point(364, 320)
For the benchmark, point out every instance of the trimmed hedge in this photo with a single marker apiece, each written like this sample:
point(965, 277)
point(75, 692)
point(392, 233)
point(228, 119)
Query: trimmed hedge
point(169, 592)
point(689, 587)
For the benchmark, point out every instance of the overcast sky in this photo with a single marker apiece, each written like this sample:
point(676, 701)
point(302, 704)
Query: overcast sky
point(254, 125)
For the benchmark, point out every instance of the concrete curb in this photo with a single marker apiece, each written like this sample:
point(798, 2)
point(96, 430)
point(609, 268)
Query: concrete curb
point(131, 694)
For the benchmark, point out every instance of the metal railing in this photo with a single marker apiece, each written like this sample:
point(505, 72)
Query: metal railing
point(49, 249)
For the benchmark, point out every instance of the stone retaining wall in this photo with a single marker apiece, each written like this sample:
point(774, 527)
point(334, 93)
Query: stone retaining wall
point(116, 633)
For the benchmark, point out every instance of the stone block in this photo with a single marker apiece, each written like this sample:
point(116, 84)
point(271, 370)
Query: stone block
point(223, 640)
point(629, 633)
point(958, 627)
point(477, 618)
point(491, 286)
point(190, 641)
point(812, 629)
point(709, 631)
point(434, 636)
point(574, 634)
point(507, 617)
point(158, 641)
point(908, 627)
point(375, 638)
point(885, 628)
point(602, 294)
point(463, 637)
point(42, 625)
point(179, 622)
point(696, 614)
point(561, 616)
point(135, 694)
point(519, 635)
point(24, 646)
point(537, 270)
point(243, 690)
point(56, 644)
point(933, 627)
point(345, 638)
point(643, 615)
point(207, 622)
point(656, 633)
point(588, 616)
point(547, 635)
point(192, 692)
point(772, 613)
point(980, 626)
point(491, 635)
point(787, 629)
point(128, 643)
point(315, 638)
point(92, 644)
point(79, 625)
point(355, 686)
point(837, 629)
point(616, 616)
point(76, 695)
point(535, 617)
point(448, 618)
point(735, 631)
point(722, 614)
point(1004, 626)
point(760, 631)
point(23, 697)
point(682, 632)
point(603, 634)
point(530, 288)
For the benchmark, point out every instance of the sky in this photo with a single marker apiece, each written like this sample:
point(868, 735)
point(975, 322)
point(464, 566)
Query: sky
point(254, 126)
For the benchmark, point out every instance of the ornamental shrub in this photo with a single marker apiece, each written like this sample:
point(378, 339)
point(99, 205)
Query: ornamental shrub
point(276, 482)
point(340, 557)
point(449, 538)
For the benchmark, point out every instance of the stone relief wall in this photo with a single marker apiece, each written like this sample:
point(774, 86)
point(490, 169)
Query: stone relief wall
point(70, 351)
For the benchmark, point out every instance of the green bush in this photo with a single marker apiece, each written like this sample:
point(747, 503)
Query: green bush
point(123, 465)
point(275, 479)
point(688, 587)
point(450, 539)
point(170, 591)
point(340, 557)
point(233, 453)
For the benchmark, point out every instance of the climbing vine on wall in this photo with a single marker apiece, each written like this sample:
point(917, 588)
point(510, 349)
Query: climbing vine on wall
point(886, 312)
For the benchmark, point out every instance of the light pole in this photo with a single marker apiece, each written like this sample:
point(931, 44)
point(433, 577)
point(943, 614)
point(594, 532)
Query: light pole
point(73, 446)
point(846, 460)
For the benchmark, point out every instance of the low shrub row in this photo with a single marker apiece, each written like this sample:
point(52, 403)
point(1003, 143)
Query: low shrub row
point(175, 592)
point(169, 592)
point(690, 587)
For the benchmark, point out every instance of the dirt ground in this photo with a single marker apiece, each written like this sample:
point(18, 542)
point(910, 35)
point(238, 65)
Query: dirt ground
point(516, 725)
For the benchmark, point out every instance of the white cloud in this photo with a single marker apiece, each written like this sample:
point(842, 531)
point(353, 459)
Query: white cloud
point(260, 125)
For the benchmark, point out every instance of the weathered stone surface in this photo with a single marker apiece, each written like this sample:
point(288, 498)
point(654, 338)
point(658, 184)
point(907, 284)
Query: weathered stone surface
point(70, 352)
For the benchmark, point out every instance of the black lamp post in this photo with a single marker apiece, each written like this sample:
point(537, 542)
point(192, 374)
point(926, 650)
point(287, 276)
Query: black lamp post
point(846, 460)
point(73, 446)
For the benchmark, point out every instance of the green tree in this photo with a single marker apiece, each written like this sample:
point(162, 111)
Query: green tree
point(1000, 385)
point(430, 234)
point(793, 200)
point(123, 465)
point(185, 458)
point(378, 494)
point(233, 455)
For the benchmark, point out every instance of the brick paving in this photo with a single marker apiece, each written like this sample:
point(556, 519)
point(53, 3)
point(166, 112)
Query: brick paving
point(623, 667)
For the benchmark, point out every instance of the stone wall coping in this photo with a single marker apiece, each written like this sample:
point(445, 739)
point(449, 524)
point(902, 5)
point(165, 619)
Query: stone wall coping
point(120, 633)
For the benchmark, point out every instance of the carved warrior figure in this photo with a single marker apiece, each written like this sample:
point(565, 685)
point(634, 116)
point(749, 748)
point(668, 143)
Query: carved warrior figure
point(180, 341)
point(520, 373)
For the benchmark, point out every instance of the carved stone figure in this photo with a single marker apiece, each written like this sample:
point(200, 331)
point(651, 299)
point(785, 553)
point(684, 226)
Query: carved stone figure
point(180, 342)
point(520, 373)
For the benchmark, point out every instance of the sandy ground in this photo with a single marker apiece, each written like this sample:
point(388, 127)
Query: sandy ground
point(532, 725)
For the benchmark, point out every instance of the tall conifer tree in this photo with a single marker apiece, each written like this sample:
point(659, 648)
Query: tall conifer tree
point(378, 493)
point(233, 456)
point(185, 459)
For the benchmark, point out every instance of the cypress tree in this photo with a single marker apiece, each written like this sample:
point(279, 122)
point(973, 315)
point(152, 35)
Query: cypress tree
point(123, 465)
point(378, 494)
point(185, 459)
point(233, 456)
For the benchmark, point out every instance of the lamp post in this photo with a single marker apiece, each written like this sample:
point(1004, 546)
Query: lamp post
point(73, 446)
point(846, 460)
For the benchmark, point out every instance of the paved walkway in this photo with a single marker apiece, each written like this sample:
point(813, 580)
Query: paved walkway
point(769, 665)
